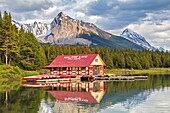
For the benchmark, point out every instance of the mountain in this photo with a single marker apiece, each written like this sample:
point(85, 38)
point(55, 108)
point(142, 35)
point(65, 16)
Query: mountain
point(139, 40)
point(68, 31)
point(37, 28)
point(136, 38)
point(65, 30)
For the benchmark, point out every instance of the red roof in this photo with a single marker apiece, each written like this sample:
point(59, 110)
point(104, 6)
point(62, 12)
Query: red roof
point(78, 97)
point(79, 60)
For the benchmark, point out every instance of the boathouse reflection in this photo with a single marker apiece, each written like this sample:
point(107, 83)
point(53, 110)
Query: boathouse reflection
point(70, 95)
point(80, 92)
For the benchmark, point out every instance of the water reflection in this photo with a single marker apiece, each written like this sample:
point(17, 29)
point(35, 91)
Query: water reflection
point(150, 96)
point(85, 97)
point(157, 101)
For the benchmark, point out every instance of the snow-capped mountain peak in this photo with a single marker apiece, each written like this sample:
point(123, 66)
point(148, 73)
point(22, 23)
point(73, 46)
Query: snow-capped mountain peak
point(37, 28)
point(136, 38)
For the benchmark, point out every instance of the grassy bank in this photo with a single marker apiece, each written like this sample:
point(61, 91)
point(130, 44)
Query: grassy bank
point(134, 71)
point(11, 72)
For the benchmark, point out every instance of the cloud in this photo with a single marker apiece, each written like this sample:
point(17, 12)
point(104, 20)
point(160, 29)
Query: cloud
point(26, 5)
point(125, 1)
point(123, 12)
point(80, 14)
point(28, 10)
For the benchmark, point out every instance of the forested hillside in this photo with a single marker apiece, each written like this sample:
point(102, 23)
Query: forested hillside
point(20, 48)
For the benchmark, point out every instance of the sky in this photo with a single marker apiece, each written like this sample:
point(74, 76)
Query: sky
point(149, 18)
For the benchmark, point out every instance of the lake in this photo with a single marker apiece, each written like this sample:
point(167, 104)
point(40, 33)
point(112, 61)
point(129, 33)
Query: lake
point(141, 96)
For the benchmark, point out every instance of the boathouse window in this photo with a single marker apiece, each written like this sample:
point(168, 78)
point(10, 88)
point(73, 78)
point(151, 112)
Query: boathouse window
point(96, 60)
point(83, 68)
point(55, 69)
point(60, 69)
point(64, 68)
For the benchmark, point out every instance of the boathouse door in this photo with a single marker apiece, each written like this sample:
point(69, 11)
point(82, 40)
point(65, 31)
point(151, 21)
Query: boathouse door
point(95, 70)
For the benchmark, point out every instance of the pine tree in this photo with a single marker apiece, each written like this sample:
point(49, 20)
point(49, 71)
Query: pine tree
point(129, 62)
point(8, 40)
point(32, 54)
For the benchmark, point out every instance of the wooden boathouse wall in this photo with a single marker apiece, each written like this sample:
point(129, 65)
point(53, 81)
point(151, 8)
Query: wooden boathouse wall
point(77, 70)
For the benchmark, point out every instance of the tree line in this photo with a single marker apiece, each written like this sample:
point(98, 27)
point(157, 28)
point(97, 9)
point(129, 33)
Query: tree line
point(20, 48)
point(114, 58)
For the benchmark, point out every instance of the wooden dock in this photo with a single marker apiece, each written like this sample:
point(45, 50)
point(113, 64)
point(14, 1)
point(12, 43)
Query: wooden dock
point(121, 78)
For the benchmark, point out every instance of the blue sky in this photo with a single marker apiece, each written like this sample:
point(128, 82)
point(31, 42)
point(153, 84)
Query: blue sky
point(150, 18)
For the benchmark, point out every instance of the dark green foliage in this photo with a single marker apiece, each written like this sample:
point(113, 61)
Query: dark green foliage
point(18, 47)
point(8, 39)
point(32, 55)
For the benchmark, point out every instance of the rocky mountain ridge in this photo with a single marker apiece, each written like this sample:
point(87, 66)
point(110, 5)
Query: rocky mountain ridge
point(37, 28)
point(138, 39)
point(63, 28)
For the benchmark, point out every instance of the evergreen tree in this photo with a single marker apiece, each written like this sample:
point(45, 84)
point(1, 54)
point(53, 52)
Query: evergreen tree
point(9, 39)
point(156, 59)
point(129, 62)
point(32, 55)
point(108, 59)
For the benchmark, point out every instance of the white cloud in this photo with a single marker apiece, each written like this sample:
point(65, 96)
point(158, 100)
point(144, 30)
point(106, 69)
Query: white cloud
point(80, 14)
point(125, 1)
point(50, 10)
point(93, 19)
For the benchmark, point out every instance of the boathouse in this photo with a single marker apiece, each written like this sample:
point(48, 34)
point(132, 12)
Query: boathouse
point(75, 65)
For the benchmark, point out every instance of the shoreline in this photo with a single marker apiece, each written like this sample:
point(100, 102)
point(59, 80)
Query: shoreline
point(135, 71)
point(14, 72)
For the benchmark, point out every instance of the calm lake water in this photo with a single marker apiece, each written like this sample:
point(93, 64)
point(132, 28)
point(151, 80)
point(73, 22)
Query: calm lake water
point(142, 96)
